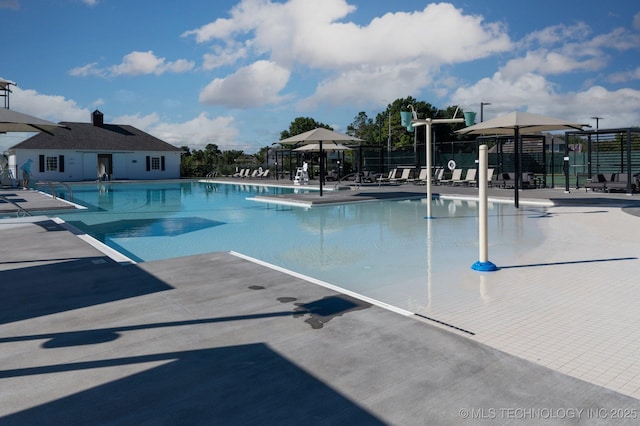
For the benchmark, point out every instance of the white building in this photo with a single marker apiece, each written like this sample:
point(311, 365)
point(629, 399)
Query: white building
point(90, 151)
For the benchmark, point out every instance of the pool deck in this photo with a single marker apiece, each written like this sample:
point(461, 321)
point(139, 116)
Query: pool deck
point(88, 338)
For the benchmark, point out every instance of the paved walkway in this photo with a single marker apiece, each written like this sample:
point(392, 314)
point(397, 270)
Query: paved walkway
point(218, 339)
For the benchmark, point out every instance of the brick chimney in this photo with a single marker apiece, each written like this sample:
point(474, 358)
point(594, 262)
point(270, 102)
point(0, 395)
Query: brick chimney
point(97, 118)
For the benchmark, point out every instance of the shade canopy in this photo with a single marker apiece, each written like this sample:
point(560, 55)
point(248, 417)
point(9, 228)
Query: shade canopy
point(525, 122)
point(324, 138)
point(14, 121)
point(517, 123)
point(318, 135)
point(327, 146)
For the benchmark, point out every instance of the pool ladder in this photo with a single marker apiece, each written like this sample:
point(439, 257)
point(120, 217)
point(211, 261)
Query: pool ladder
point(52, 188)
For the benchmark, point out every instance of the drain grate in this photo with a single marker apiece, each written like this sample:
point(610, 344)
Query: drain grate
point(446, 324)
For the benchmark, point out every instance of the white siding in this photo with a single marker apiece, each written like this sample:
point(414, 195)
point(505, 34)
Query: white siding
point(89, 165)
point(80, 166)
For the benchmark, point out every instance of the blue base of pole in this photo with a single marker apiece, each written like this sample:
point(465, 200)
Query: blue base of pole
point(484, 266)
point(429, 217)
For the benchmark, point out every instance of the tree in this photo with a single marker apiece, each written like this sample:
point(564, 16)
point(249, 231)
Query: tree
point(211, 154)
point(364, 128)
point(230, 157)
point(261, 156)
point(390, 129)
point(301, 125)
point(186, 162)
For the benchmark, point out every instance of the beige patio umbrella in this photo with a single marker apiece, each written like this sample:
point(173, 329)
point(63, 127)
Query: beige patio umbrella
point(517, 123)
point(315, 147)
point(319, 136)
point(14, 121)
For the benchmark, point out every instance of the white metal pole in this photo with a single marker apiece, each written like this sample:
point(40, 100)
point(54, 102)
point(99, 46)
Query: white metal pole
point(483, 263)
point(427, 128)
point(482, 208)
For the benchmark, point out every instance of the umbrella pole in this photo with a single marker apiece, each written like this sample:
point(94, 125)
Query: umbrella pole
point(516, 154)
point(321, 168)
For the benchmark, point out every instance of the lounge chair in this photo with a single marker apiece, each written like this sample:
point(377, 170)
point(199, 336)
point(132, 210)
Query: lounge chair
point(254, 174)
point(403, 177)
point(469, 177)
point(437, 176)
point(528, 180)
point(505, 180)
point(422, 176)
point(619, 183)
point(455, 176)
point(392, 175)
point(597, 182)
point(264, 174)
point(489, 178)
point(238, 174)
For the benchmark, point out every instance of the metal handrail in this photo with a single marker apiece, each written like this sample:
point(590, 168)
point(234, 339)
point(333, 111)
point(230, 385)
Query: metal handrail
point(357, 182)
point(52, 188)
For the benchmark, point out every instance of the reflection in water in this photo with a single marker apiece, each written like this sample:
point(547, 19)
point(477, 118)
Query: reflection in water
point(386, 250)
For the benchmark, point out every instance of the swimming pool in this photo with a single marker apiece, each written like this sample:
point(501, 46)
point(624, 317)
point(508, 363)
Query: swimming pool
point(382, 249)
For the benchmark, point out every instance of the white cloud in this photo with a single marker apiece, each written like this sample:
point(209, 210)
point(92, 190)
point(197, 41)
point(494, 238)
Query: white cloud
point(555, 34)
point(48, 107)
point(195, 133)
point(636, 21)
point(142, 122)
point(97, 103)
point(624, 76)
point(228, 55)
point(561, 49)
point(358, 87)
point(549, 62)
point(311, 35)
point(533, 93)
point(135, 63)
point(251, 86)
point(52, 108)
point(87, 70)
point(506, 94)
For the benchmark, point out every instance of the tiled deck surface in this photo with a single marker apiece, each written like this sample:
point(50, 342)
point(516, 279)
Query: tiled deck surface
point(570, 305)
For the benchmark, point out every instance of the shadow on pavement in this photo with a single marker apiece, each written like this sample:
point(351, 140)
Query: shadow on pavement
point(245, 384)
point(75, 283)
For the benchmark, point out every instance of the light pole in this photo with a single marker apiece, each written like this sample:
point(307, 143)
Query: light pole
point(597, 143)
point(482, 104)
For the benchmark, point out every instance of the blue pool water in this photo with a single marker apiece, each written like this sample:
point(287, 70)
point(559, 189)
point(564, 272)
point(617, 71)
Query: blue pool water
point(382, 249)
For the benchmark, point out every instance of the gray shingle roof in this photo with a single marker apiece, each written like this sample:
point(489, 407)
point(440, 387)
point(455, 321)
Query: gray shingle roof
point(86, 136)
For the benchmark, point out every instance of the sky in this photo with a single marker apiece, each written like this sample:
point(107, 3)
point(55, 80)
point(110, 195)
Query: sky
point(236, 73)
